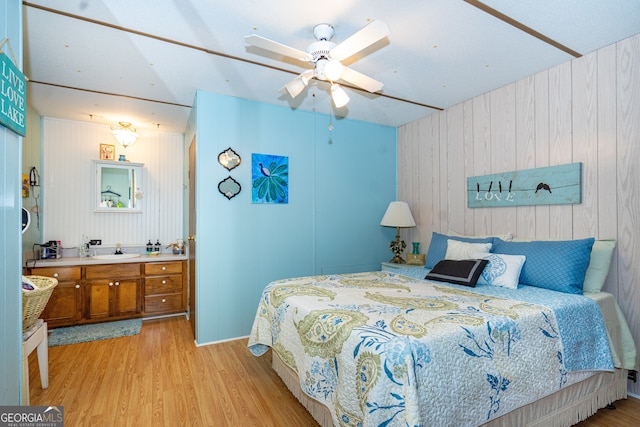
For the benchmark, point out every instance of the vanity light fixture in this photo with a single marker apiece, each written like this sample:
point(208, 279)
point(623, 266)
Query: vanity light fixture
point(124, 134)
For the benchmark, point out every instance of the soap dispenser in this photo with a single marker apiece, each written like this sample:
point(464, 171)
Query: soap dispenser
point(157, 246)
point(149, 246)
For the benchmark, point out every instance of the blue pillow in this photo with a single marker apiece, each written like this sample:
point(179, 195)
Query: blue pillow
point(438, 247)
point(556, 265)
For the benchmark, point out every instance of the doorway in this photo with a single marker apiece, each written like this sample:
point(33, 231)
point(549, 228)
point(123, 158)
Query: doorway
point(192, 236)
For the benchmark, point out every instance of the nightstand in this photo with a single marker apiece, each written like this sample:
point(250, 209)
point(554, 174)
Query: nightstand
point(390, 266)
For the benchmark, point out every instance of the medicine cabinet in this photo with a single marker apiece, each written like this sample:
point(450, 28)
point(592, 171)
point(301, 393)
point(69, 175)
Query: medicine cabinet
point(118, 186)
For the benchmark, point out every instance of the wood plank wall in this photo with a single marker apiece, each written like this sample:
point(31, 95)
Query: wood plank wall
point(586, 110)
point(68, 186)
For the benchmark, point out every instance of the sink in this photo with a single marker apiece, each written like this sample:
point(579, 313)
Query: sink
point(113, 256)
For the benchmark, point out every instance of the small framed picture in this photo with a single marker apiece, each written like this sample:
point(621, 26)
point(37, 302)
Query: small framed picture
point(107, 152)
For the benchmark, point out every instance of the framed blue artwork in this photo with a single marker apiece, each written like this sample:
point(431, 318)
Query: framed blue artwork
point(269, 178)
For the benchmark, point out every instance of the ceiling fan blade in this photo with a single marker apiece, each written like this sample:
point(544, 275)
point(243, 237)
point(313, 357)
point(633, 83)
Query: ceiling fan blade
point(284, 50)
point(358, 79)
point(376, 30)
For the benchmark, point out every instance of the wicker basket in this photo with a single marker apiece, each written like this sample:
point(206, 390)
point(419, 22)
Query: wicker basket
point(34, 302)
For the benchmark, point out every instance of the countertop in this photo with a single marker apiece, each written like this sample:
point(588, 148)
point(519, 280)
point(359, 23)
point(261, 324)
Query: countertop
point(72, 261)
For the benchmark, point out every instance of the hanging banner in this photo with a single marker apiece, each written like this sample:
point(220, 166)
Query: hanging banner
point(553, 185)
point(13, 97)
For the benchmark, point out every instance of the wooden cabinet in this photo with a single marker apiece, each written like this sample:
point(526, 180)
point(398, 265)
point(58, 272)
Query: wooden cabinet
point(164, 288)
point(104, 292)
point(112, 291)
point(65, 304)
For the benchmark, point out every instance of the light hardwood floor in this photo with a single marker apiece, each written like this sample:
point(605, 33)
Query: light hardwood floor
point(160, 378)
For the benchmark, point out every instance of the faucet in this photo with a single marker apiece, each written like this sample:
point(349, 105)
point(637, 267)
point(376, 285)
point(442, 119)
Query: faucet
point(118, 251)
point(83, 249)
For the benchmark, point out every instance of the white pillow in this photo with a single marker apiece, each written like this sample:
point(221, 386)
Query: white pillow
point(502, 270)
point(458, 250)
point(506, 237)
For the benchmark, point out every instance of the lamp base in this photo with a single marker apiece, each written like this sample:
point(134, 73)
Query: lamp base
point(397, 260)
point(397, 247)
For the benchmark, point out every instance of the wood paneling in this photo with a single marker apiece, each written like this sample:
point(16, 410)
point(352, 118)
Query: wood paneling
point(628, 181)
point(67, 210)
point(586, 110)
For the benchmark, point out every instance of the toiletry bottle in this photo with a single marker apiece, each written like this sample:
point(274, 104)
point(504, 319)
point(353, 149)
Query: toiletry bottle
point(157, 246)
point(149, 247)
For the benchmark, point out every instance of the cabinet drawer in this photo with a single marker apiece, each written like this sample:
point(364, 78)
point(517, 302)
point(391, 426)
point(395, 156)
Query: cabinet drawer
point(153, 268)
point(163, 285)
point(61, 273)
point(163, 304)
point(108, 271)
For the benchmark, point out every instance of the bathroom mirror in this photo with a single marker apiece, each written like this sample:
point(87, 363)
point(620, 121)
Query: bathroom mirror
point(118, 186)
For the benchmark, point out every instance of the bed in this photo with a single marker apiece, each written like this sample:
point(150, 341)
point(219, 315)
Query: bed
point(385, 348)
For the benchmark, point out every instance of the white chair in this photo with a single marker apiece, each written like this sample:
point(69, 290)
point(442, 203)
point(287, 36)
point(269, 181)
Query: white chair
point(36, 337)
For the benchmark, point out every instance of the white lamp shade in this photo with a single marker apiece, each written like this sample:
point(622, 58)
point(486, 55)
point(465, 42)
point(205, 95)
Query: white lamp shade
point(398, 214)
point(339, 96)
point(295, 86)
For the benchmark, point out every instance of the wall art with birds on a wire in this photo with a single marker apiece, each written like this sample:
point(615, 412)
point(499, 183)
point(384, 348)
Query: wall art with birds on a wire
point(550, 185)
point(269, 178)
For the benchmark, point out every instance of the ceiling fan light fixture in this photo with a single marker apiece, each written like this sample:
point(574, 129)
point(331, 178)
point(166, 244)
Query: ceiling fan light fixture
point(124, 134)
point(325, 56)
point(306, 76)
point(339, 96)
point(295, 86)
point(333, 70)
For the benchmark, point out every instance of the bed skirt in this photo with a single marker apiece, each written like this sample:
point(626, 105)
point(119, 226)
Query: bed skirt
point(564, 408)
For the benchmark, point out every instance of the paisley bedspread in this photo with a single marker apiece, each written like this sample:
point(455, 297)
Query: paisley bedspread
point(383, 349)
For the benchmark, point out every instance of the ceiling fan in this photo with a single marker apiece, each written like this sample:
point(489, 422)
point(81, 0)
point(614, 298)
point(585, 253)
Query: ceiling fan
point(325, 56)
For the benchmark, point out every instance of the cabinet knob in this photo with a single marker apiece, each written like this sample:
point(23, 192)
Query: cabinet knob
point(55, 274)
point(164, 282)
point(164, 300)
point(117, 283)
point(77, 286)
point(164, 268)
point(110, 283)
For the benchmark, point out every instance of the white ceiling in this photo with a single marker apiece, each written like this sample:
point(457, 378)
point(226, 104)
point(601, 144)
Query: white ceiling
point(142, 61)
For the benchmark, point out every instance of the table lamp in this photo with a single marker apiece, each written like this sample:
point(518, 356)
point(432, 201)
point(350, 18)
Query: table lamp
point(398, 215)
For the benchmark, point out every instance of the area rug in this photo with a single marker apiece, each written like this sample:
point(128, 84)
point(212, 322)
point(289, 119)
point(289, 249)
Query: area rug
point(93, 332)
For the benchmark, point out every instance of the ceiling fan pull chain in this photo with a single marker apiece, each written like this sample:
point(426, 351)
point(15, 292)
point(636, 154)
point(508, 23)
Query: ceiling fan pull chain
point(330, 115)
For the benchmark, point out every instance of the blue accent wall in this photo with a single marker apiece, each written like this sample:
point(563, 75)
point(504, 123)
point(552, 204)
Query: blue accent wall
point(10, 220)
point(340, 184)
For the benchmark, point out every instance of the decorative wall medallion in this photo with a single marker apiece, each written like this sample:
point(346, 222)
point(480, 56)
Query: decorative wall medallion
point(229, 188)
point(229, 159)
point(553, 185)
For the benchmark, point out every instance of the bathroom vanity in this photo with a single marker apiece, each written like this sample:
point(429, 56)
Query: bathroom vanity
point(92, 290)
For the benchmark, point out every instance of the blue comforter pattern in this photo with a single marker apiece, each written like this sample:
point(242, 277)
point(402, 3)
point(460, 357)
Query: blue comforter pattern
point(383, 349)
point(584, 338)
